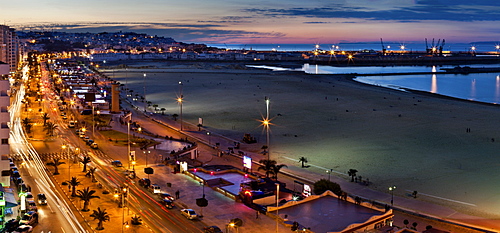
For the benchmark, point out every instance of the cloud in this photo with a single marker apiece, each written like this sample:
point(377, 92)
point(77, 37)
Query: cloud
point(423, 11)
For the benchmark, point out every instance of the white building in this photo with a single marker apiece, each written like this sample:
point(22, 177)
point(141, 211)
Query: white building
point(9, 47)
point(4, 132)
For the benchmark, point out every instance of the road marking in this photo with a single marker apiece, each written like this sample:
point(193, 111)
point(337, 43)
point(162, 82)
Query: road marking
point(446, 199)
point(326, 169)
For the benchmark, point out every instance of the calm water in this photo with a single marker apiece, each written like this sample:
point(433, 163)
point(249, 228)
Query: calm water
point(484, 87)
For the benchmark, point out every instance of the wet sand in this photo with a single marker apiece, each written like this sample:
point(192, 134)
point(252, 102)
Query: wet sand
point(412, 140)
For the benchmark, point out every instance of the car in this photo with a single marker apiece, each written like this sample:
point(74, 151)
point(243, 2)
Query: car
point(71, 124)
point(13, 169)
point(64, 117)
point(18, 180)
point(145, 182)
point(31, 206)
point(15, 174)
point(168, 203)
point(29, 218)
point(11, 225)
point(23, 228)
point(22, 187)
point(89, 142)
point(29, 196)
point(86, 138)
point(189, 213)
point(117, 163)
point(94, 145)
point(41, 199)
point(212, 229)
point(154, 188)
point(166, 196)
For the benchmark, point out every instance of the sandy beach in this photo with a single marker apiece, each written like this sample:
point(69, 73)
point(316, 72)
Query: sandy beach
point(412, 140)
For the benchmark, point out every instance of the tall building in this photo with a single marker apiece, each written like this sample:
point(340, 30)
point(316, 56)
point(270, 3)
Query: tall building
point(9, 47)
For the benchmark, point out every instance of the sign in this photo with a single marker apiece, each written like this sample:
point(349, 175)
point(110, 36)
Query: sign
point(307, 190)
point(200, 121)
point(247, 162)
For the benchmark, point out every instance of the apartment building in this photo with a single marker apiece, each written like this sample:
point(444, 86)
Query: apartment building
point(9, 47)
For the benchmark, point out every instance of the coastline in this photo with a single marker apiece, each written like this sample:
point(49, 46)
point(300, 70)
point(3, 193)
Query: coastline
point(378, 98)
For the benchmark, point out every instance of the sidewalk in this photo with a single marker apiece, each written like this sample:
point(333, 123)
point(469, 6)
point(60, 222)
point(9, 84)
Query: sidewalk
point(403, 202)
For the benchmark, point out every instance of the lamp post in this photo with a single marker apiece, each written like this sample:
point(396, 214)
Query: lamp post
point(266, 123)
point(392, 188)
point(146, 152)
point(277, 202)
point(179, 100)
point(69, 162)
point(329, 172)
point(124, 195)
point(144, 85)
point(128, 144)
point(209, 138)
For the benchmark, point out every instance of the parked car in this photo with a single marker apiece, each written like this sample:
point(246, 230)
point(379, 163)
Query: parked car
point(41, 199)
point(11, 225)
point(31, 205)
point(89, 142)
point(166, 196)
point(29, 218)
point(189, 213)
point(94, 145)
point(23, 229)
point(168, 203)
point(29, 196)
point(71, 124)
point(15, 174)
point(154, 188)
point(212, 229)
point(117, 163)
point(86, 138)
point(22, 187)
point(18, 180)
point(145, 182)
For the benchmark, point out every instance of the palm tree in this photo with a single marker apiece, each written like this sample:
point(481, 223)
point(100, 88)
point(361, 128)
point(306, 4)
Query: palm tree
point(55, 163)
point(50, 127)
point(199, 127)
point(91, 173)
point(163, 111)
point(85, 160)
point(45, 117)
point(352, 174)
point(136, 220)
point(303, 160)
point(27, 124)
point(101, 216)
point(175, 116)
point(276, 170)
point(267, 166)
point(73, 183)
point(86, 195)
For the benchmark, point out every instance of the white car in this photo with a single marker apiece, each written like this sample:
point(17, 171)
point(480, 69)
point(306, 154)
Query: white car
point(189, 213)
point(23, 228)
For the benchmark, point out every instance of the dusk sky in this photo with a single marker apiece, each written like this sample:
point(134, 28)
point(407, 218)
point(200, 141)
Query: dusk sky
point(257, 21)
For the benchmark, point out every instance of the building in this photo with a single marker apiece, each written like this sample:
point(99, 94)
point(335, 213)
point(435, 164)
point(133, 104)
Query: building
point(9, 47)
point(4, 132)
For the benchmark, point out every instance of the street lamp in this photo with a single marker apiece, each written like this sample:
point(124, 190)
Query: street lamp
point(128, 143)
point(69, 161)
point(124, 195)
point(266, 123)
point(179, 100)
point(145, 101)
point(329, 172)
point(277, 202)
point(392, 188)
point(209, 138)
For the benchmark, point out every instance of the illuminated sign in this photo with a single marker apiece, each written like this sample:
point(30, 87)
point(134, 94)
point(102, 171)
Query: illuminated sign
point(307, 190)
point(247, 162)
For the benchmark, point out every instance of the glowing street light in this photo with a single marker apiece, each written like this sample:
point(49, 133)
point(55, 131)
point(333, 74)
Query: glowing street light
point(179, 100)
point(392, 188)
point(144, 85)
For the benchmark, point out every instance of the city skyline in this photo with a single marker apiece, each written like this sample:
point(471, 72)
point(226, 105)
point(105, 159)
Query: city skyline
point(261, 22)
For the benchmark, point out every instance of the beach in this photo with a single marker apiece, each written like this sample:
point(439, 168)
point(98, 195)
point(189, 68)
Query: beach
point(415, 141)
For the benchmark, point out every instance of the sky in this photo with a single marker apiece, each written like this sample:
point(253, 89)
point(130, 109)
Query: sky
point(265, 22)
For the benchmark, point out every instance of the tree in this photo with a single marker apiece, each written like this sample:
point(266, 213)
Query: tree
point(276, 170)
point(85, 160)
point(199, 127)
point(50, 127)
point(55, 163)
point(267, 166)
point(264, 148)
point(155, 106)
point(303, 160)
point(27, 124)
point(175, 116)
point(136, 220)
point(86, 195)
point(73, 183)
point(101, 216)
point(406, 222)
point(322, 185)
point(45, 118)
point(163, 111)
point(352, 174)
point(91, 173)
point(414, 224)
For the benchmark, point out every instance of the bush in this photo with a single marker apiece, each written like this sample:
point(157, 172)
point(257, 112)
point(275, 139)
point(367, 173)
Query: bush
point(322, 185)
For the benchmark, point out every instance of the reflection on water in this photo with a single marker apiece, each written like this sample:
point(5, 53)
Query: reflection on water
point(434, 86)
